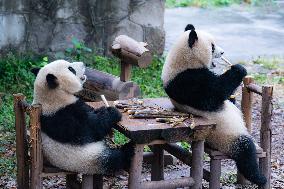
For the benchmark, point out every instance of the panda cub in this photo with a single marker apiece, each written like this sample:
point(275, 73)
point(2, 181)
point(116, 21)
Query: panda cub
point(73, 133)
point(193, 88)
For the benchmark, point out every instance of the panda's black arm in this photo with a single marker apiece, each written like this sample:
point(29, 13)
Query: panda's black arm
point(202, 89)
point(102, 120)
point(231, 79)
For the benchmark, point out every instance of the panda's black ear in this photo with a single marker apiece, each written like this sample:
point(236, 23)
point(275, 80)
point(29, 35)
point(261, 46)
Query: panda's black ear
point(35, 71)
point(51, 81)
point(192, 38)
point(189, 27)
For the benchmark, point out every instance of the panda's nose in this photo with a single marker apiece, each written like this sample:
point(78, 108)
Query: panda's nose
point(222, 52)
point(83, 78)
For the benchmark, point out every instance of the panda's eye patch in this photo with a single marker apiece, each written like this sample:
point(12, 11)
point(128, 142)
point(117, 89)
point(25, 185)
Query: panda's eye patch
point(213, 48)
point(72, 70)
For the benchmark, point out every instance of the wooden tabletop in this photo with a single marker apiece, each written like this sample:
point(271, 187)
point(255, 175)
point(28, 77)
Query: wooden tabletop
point(146, 130)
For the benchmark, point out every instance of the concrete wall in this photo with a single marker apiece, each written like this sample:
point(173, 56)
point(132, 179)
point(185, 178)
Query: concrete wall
point(48, 26)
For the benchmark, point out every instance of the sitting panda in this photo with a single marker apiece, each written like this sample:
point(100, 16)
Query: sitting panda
point(193, 88)
point(73, 133)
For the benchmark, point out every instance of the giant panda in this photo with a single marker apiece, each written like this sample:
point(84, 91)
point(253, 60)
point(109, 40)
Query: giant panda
point(193, 87)
point(73, 133)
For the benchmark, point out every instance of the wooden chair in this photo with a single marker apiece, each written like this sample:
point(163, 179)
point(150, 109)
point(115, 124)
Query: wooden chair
point(264, 152)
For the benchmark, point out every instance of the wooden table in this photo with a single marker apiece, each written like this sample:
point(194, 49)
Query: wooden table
point(159, 135)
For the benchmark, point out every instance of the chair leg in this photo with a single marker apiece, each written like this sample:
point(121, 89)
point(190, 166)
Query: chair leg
point(87, 182)
point(157, 170)
point(98, 182)
point(196, 171)
point(72, 182)
point(215, 173)
point(134, 180)
point(264, 164)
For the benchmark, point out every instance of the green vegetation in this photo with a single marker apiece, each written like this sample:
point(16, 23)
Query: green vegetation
point(214, 3)
point(269, 63)
point(275, 67)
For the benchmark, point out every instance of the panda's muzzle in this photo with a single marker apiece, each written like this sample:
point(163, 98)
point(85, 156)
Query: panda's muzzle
point(213, 65)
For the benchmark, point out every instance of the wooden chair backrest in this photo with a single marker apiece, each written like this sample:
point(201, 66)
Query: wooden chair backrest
point(25, 144)
point(266, 93)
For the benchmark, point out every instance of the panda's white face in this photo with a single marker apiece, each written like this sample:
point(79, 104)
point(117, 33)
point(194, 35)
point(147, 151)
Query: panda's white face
point(56, 83)
point(193, 50)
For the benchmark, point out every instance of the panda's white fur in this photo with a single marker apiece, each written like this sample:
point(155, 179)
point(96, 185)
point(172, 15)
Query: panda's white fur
point(52, 100)
point(199, 56)
point(82, 159)
point(192, 55)
point(229, 121)
point(55, 88)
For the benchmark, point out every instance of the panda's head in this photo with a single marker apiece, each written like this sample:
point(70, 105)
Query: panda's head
point(56, 84)
point(194, 49)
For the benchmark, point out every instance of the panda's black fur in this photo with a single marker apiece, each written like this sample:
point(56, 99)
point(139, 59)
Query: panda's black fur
point(74, 135)
point(193, 88)
point(79, 123)
point(207, 91)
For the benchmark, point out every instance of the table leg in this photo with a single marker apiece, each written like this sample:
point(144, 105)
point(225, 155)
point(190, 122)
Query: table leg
point(134, 180)
point(98, 182)
point(196, 170)
point(215, 173)
point(87, 181)
point(157, 170)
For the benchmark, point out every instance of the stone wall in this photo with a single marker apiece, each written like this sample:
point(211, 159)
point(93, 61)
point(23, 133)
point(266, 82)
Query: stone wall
point(48, 26)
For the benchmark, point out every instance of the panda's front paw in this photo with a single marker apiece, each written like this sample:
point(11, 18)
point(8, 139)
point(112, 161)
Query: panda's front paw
point(115, 115)
point(239, 69)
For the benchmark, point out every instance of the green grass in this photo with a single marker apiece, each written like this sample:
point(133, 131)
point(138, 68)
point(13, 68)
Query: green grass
point(270, 63)
point(213, 3)
point(275, 69)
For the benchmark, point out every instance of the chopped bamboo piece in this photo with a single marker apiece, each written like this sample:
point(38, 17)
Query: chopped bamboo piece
point(227, 61)
point(107, 105)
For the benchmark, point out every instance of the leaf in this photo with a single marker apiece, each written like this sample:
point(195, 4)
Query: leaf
point(45, 59)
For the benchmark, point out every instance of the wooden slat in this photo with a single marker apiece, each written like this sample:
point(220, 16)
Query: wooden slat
point(148, 157)
point(21, 143)
point(36, 152)
point(254, 88)
point(196, 171)
point(180, 153)
point(247, 98)
point(169, 184)
point(266, 133)
point(220, 155)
